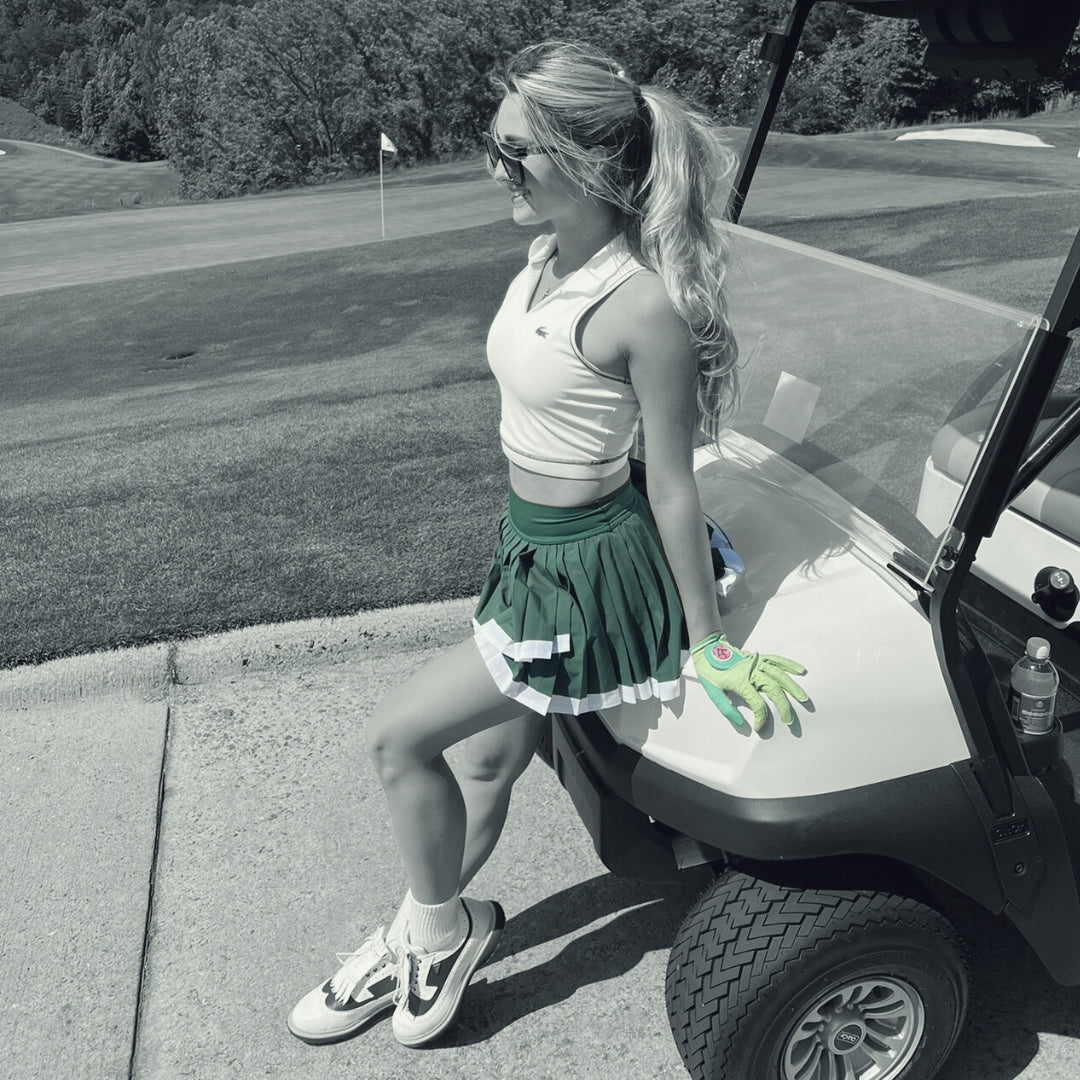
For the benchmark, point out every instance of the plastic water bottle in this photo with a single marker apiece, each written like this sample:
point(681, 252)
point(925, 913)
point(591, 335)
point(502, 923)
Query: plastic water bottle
point(1033, 689)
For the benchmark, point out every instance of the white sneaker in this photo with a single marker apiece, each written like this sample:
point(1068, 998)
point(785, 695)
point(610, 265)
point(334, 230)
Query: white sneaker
point(363, 987)
point(431, 984)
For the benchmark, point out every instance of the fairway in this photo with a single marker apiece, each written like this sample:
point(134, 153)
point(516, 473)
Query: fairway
point(247, 439)
point(187, 452)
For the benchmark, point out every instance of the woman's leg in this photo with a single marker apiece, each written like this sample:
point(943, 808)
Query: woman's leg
point(491, 761)
point(450, 699)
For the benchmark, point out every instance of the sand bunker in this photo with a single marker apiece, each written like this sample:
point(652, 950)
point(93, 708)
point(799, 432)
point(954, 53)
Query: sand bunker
point(1000, 136)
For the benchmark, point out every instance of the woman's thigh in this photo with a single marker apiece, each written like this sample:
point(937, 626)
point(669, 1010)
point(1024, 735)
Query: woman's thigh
point(450, 698)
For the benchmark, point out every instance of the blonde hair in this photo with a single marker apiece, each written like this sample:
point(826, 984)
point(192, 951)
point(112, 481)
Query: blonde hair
point(662, 166)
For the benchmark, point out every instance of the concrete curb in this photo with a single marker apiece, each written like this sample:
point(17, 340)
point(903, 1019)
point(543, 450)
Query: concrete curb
point(150, 670)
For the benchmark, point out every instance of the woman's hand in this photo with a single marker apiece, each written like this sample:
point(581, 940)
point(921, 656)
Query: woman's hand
point(725, 670)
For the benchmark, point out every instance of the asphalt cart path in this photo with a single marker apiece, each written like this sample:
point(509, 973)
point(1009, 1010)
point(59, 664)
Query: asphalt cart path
point(191, 832)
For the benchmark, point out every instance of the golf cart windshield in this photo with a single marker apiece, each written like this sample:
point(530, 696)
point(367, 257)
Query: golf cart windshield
point(852, 371)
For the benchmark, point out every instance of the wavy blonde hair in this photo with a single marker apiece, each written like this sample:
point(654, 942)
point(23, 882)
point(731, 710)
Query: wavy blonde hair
point(661, 165)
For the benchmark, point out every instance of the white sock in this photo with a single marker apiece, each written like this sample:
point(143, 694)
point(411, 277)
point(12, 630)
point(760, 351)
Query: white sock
point(435, 927)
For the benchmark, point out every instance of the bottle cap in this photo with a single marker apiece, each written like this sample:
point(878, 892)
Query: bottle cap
point(1038, 648)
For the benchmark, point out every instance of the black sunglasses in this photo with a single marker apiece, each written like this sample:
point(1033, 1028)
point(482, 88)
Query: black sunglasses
point(510, 157)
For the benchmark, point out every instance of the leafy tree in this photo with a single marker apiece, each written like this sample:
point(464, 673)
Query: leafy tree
point(895, 87)
point(295, 90)
point(248, 94)
point(41, 62)
point(118, 111)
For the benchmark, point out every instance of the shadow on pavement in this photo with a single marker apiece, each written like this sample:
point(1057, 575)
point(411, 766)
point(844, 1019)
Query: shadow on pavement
point(1012, 1003)
point(646, 919)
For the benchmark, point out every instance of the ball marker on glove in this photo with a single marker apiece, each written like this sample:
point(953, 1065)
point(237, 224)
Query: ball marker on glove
point(725, 671)
point(723, 654)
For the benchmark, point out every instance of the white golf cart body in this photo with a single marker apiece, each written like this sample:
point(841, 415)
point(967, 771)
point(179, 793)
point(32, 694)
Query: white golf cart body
point(886, 426)
point(844, 420)
point(853, 373)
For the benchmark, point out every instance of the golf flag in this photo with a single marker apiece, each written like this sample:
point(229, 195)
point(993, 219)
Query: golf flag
point(385, 147)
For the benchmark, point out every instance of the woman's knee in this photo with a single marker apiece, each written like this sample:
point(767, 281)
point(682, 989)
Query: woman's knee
point(488, 766)
point(392, 742)
point(499, 756)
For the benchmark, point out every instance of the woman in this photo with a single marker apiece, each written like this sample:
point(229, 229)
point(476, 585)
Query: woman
point(594, 593)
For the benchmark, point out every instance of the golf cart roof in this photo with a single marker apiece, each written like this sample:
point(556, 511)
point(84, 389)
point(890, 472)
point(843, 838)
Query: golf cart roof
point(993, 39)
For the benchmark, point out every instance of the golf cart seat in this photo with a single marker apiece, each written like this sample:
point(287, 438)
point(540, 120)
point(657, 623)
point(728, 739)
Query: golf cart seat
point(1052, 499)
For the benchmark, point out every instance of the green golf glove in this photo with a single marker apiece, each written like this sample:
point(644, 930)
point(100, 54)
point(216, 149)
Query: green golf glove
point(724, 671)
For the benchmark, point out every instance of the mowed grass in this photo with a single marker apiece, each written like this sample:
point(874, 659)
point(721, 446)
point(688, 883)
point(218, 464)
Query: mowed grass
point(196, 451)
point(317, 434)
point(1009, 250)
point(45, 181)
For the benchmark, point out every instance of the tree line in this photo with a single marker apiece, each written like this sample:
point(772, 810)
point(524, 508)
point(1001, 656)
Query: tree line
point(248, 95)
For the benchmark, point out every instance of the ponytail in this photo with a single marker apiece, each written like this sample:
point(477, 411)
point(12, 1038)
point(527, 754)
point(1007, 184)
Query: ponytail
point(676, 229)
point(662, 166)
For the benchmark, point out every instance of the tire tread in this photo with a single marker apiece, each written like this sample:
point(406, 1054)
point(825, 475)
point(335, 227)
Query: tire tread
point(762, 922)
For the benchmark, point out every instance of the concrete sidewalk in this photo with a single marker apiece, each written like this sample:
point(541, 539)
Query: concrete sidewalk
point(273, 853)
point(191, 832)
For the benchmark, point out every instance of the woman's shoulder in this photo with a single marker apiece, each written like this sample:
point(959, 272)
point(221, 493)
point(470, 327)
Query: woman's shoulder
point(643, 295)
point(638, 321)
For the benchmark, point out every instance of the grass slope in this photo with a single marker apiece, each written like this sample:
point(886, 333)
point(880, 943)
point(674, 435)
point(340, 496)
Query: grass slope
point(880, 152)
point(1009, 250)
point(19, 123)
point(46, 181)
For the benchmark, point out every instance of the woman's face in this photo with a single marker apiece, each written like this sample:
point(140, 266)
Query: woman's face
point(547, 193)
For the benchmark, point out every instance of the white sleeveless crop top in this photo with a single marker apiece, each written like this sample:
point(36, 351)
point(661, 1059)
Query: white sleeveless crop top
point(561, 416)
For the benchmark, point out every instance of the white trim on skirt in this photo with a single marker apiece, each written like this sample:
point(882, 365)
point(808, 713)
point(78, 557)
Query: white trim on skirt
point(495, 646)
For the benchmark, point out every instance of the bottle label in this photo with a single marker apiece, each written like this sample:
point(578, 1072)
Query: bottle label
point(1034, 713)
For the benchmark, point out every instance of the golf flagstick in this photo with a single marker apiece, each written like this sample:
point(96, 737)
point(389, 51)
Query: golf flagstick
point(385, 147)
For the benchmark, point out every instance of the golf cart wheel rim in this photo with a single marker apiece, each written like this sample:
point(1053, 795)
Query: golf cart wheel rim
point(865, 1029)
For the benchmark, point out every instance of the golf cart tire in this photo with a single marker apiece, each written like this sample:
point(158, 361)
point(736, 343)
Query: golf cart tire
point(756, 963)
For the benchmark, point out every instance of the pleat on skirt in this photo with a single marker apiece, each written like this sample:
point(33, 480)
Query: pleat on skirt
point(579, 610)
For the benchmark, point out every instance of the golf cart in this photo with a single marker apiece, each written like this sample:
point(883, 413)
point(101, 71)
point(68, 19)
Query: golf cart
point(902, 487)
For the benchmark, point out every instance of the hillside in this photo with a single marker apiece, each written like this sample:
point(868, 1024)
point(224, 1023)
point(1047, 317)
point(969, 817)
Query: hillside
point(19, 123)
point(39, 181)
point(46, 172)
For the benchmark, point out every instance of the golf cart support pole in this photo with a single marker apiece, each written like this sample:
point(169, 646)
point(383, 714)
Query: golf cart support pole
point(1023, 827)
point(779, 49)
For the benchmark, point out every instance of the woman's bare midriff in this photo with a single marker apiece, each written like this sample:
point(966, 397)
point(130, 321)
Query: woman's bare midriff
point(558, 491)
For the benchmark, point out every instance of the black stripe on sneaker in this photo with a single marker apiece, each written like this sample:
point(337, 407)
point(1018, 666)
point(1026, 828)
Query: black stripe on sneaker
point(380, 989)
point(438, 973)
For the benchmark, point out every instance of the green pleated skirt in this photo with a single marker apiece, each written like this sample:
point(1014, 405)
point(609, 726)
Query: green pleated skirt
point(579, 610)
